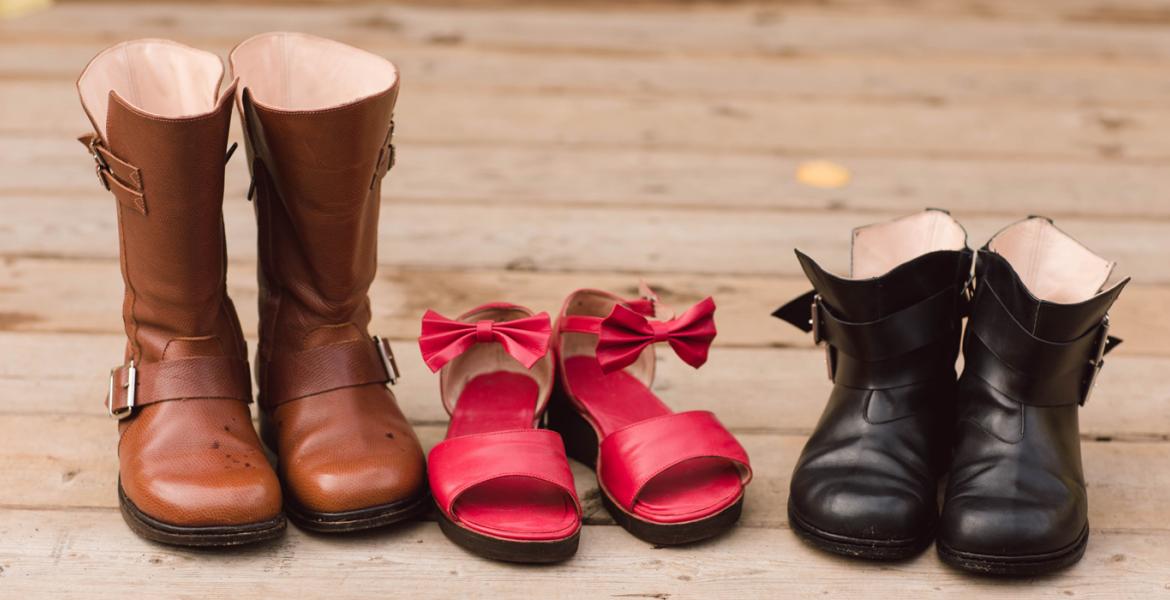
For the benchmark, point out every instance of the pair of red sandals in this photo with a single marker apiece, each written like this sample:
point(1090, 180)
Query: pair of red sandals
point(503, 484)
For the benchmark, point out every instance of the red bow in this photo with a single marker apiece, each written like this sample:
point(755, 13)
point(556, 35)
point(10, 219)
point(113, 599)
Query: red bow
point(443, 339)
point(625, 333)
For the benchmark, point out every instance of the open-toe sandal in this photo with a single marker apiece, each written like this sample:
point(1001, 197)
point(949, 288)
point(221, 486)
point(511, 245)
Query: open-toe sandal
point(503, 487)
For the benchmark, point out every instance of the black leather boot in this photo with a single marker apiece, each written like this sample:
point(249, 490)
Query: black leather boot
point(1015, 503)
point(866, 484)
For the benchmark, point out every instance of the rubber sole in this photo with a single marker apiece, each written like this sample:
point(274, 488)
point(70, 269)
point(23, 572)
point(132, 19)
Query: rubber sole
point(866, 549)
point(198, 537)
point(581, 444)
point(1016, 566)
point(535, 552)
point(356, 520)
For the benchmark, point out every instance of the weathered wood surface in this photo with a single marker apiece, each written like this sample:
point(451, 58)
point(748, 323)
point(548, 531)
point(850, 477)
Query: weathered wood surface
point(550, 147)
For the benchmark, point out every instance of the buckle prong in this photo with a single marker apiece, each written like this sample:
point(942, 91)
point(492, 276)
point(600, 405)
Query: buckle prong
point(131, 391)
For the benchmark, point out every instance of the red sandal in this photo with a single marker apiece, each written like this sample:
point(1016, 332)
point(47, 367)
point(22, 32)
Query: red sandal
point(668, 478)
point(503, 487)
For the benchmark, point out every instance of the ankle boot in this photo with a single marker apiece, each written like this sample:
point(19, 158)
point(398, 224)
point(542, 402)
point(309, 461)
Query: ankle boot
point(191, 468)
point(318, 123)
point(1015, 503)
point(866, 483)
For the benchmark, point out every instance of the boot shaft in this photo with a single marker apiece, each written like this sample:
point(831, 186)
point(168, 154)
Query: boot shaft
point(318, 146)
point(895, 320)
point(161, 129)
point(1039, 326)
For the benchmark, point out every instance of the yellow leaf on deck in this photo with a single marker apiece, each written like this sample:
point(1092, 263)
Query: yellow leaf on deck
point(15, 8)
point(822, 174)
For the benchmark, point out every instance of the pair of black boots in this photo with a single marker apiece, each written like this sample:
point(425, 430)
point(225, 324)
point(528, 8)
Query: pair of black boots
point(898, 421)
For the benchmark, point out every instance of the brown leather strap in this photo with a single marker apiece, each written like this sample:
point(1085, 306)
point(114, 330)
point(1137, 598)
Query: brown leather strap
point(116, 175)
point(183, 378)
point(386, 157)
point(326, 368)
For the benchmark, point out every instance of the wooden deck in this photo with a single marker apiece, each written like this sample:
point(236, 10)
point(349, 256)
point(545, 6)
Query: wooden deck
point(548, 148)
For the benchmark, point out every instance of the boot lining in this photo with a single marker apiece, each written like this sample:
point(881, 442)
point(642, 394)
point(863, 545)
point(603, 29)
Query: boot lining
point(296, 71)
point(158, 77)
point(880, 247)
point(1052, 265)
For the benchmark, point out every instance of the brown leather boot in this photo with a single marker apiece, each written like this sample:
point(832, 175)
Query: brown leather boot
point(317, 116)
point(191, 468)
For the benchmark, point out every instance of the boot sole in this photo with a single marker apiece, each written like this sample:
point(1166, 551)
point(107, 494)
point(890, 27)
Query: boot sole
point(581, 444)
point(361, 519)
point(218, 536)
point(1016, 566)
point(867, 549)
point(535, 552)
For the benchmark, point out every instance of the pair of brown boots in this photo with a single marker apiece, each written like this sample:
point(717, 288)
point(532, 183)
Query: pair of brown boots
point(317, 119)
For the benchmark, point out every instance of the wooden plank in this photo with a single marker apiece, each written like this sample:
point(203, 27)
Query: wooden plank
point(445, 173)
point(919, 80)
point(70, 462)
point(761, 390)
point(703, 30)
point(92, 555)
point(85, 296)
point(518, 237)
point(740, 125)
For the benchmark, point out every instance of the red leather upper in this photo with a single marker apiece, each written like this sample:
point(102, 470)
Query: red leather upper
point(458, 464)
point(630, 457)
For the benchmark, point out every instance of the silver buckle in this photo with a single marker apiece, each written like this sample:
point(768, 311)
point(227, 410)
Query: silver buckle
point(1097, 361)
point(388, 362)
point(131, 392)
point(100, 163)
point(814, 321)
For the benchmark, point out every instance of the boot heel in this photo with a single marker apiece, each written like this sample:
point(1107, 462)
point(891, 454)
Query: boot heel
point(579, 437)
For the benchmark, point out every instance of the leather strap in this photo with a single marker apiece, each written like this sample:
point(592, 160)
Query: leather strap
point(893, 335)
point(646, 307)
point(326, 368)
point(1028, 369)
point(631, 457)
point(458, 464)
point(183, 378)
point(893, 351)
point(116, 175)
point(387, 156)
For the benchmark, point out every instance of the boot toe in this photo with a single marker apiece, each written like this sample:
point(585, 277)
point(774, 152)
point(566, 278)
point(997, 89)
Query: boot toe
point(355, 483)
point(1009, 527)
point(864, 508)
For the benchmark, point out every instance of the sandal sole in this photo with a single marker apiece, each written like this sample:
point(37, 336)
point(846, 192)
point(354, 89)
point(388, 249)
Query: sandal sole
point(534, 552)
point(218, 536)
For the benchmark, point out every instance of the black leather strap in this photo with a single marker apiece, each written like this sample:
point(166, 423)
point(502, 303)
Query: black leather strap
point(1028, 369)
point(894, 351)
point(895, 334)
